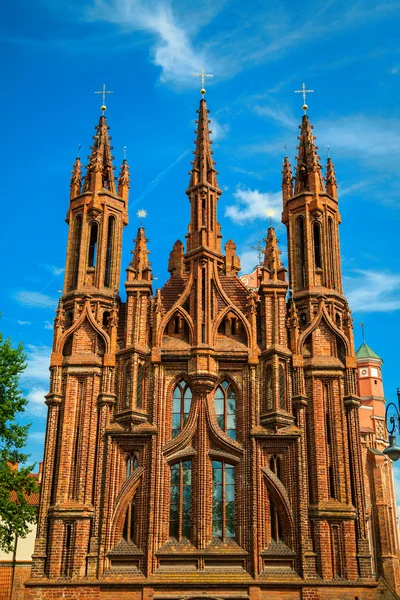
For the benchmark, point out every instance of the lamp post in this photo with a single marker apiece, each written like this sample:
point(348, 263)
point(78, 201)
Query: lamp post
point(392, 423)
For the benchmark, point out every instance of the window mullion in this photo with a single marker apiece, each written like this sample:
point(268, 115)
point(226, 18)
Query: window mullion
point(180, 511)
point(223, 503)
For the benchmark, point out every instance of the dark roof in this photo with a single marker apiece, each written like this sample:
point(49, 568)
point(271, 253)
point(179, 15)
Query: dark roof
point(171, 290)
point(235, 290)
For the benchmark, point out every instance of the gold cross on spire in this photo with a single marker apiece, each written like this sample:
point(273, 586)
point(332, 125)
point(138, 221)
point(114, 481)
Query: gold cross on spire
point(304, 92)
point(104, 92)
point(202, 75)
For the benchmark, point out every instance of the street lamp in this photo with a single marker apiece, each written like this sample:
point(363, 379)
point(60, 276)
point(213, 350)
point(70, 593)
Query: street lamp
point(392, 423)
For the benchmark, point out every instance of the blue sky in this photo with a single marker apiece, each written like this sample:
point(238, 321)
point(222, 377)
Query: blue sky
point(57, 53)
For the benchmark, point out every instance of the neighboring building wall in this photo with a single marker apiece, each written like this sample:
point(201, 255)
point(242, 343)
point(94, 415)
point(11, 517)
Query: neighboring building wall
point(15, 566)
point(383, 522)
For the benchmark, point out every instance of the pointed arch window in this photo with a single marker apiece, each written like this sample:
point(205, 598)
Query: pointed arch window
point(181, 403)
point(225, 408)
point(110, 241)
point(282, 387)
point(223, 500)
point(94, 230)
point(129, 531)
point(180, 507)
point(77, 250)
point(317, 245)
point(301, 252)
point(139, 386)
point(276, 527)
point(269, 393)
point(132, 463)
point(127, 385)
point(331, 254)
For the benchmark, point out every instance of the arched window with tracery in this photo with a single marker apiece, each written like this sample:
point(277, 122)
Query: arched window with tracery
point(180, 506)
point(132, 463)
point(181, 403)
point(225, 408)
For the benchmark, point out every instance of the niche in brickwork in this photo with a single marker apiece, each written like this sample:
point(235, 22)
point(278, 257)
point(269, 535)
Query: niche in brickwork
point(231, 332)
point(84, 340)
point(176, 333)
point(306, 349)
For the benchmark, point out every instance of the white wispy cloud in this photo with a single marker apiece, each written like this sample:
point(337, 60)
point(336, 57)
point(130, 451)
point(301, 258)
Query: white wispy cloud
point(48, 325)
point(248, 260)
point(158, 179)
point(38, 360)
point(36, 406)
point(56, 271)
point(372, 291)
point(219, 130)
point(35, 299)
point(37, 436)
point(253, 204)
point(172, 49)
point(355, 136)
point(24, 322)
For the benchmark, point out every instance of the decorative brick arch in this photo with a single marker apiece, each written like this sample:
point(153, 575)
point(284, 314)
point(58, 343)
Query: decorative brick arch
point(323, 315)
point(86, 315)
point(240, 316)
point(125, 495)
point(280, 496)
point(170, 314)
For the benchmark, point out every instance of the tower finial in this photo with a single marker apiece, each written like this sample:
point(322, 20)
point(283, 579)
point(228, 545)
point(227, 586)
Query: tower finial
point(202, 75)
point(103, 92)
point(304, 92)
point(362, 325)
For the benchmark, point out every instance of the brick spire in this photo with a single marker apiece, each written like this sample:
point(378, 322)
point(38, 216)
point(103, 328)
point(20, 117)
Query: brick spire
point(203, 170)
point(203, 191)
point(124, 180)
point(331, 184)
point(308, 170)
point(76, 178)
point(100, 170)
point(272, 261)
point(140, 265)
point(287, 180)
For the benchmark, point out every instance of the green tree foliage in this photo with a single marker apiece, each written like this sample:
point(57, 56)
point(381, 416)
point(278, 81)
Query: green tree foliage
point(16, 514)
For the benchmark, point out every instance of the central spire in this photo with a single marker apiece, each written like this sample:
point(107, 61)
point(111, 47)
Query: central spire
point(100, 170)
point(308, 171)
point(203, 191)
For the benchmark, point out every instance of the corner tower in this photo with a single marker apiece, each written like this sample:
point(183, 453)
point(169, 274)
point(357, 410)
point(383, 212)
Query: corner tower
point(82, 368)
point(321, 340)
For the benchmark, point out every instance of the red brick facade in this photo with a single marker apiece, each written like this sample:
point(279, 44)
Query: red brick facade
point(204, 441)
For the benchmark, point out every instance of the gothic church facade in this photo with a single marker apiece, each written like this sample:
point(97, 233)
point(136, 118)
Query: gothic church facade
point(204, 441)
